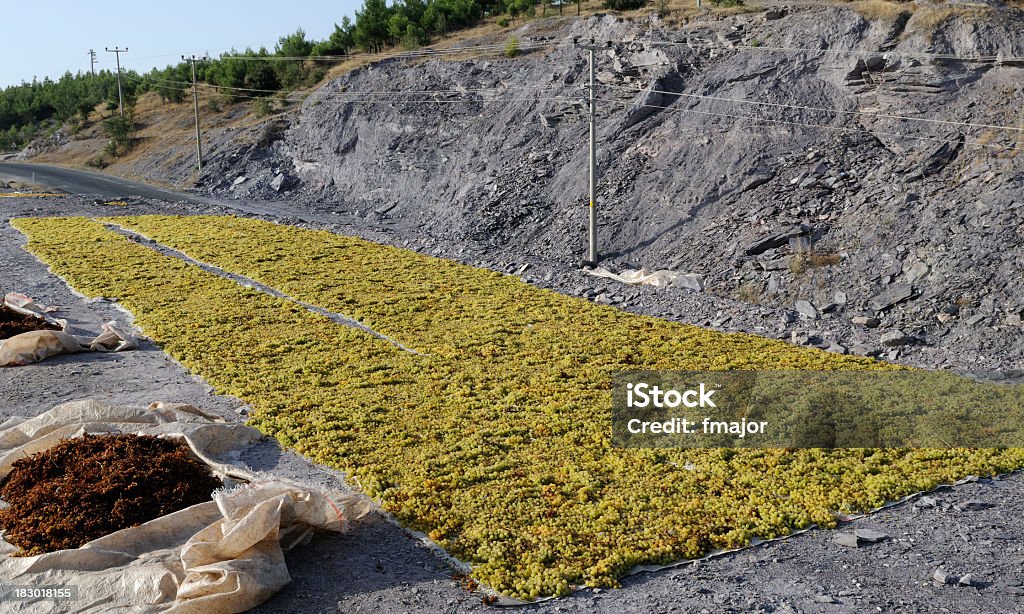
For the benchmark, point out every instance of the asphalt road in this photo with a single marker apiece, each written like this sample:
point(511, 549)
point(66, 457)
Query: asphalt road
point(109, 187)
point(83, 182)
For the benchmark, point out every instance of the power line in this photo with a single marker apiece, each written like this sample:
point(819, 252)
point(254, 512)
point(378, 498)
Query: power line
point(392, 92)
point(386, 97)
point(371, 97)
point(906, 54)
point(416, 53)
point(823, 109)
point(363, 94)
point(812, 125)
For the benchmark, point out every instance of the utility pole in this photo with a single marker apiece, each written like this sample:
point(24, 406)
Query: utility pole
point(195, 103)
point(120, 97)
point(592, 251)
point(92, 62)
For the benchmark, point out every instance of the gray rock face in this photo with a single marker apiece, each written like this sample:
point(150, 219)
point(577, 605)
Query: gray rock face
point(916, 272)
point(847, 539)
point(967, 580)
point(903, 226)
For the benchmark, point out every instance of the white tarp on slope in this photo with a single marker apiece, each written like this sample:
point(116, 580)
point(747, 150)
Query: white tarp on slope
point(658, 279)
point(225, 555)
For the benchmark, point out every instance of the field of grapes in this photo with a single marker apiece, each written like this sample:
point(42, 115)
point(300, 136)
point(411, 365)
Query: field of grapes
point(494, 438)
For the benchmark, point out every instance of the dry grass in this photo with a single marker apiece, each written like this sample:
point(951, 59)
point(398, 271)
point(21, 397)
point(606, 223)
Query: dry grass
point(749, 292)
point(927, 20)
point(822, 260)
point(886, 10)
point(986, 137)
point(805, 261)
point(166, 131)
point(926, 17)
point(488, 32)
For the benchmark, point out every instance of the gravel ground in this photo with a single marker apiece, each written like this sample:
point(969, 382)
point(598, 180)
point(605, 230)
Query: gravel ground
point(966, 529)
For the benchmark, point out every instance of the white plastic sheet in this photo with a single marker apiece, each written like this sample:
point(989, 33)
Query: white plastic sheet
point(659, 279)
point(222, 556)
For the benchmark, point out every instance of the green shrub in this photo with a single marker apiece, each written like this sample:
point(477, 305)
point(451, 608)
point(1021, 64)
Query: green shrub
point(262, 107)
point(623, 5)
point(121, 131)
point(97, 161)
point(512, 47)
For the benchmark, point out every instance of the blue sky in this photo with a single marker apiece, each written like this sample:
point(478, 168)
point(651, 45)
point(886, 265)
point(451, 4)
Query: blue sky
point(48, 37)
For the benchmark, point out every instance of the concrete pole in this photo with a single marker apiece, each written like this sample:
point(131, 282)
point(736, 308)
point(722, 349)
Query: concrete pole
point(120, 97)
point(592, 253)
point(195, 103)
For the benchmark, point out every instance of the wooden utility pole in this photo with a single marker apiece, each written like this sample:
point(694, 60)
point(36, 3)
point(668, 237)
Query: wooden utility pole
point(92, 62)
point(195, 103)
point(592, 255)
point(120, 96)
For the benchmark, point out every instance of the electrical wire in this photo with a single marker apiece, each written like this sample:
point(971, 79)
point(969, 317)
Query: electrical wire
point(373, 98)
point(378, 97)
point(908, 54)
point(812, 125)
point(391, 92)
point(415, 53)
point(822, 109)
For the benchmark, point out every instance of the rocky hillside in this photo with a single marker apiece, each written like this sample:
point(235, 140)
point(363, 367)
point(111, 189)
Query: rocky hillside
point(860, 168)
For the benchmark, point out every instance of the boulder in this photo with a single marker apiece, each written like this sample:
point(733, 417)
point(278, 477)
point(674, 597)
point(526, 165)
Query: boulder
point(690, 281)
point(866, 321)
point(892, 295)
point(776, 240)
point(277, 183)
point(806, 309)
point(894, 338)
